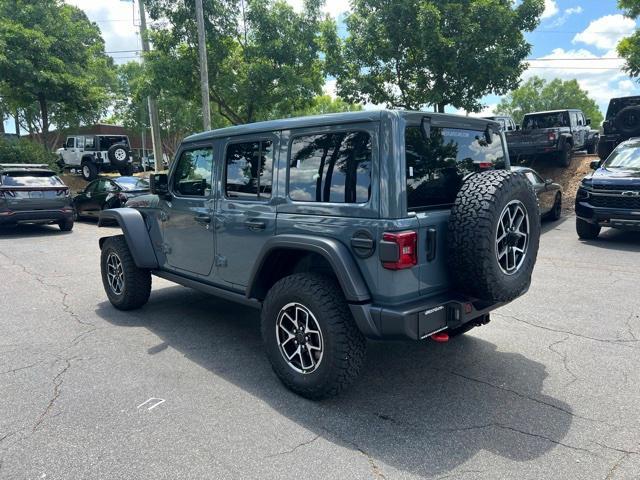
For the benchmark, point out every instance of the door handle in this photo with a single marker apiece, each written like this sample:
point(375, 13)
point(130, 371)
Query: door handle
point(255, 224)
point(202, 218)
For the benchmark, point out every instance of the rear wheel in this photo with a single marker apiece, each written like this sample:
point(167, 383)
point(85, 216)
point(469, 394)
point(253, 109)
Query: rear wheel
point(310, 337)
point(556, 211)
point(66, 225)
point(126, 171)
point(586, 230)
point(127, 286)
point(564, 156)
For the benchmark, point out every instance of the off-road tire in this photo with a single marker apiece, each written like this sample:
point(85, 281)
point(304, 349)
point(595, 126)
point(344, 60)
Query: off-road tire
point(473, 229)
point(556, 211)
point(89, 170)
point(586, 230)
point(66, 225)
point(126, 171)
point(344, 345)
point(591, 147)
point(623, 123)
point(137, 281)
point(118, 154)
point(605, 149)
point(564, 156)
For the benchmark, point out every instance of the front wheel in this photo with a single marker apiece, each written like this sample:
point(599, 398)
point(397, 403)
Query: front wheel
point(586, 230)
point(128, 287)
point(311, 339)
point(66, 225)
point(556, 211)
point(89, 171)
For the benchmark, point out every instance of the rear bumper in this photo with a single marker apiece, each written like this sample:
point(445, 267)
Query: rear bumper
point(608, 217)
point(515, 151)
point(11, 217)
point(420, 319)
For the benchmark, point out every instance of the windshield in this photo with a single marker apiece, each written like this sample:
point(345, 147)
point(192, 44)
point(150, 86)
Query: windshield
point(437, 167)
point(625, 156)
point(545, 120)
point(30, 179)
point(132, 183)
point(107, 141)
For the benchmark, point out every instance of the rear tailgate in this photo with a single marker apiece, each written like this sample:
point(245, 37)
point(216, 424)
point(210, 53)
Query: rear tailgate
point(19, 198)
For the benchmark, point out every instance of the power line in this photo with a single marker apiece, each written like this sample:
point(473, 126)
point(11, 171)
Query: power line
point(577, 68)
point(571, 59)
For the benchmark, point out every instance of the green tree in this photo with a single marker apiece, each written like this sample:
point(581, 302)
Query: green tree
point(412, 53)
point(629, 47)
point(326, 104)
point(52, 64)
point(537, 94)
point(264, 58)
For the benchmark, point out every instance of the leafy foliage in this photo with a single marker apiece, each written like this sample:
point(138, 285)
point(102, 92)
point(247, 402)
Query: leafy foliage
point(629, 47)
point(536, 95)
point(52, 64)
point(23, 150)
point(264, 58)
point(326, 104)
point(412, 53)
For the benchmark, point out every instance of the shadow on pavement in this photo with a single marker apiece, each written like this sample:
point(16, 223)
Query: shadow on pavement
point(617, 239)
point(423, 408)
point(27, 230)
point(548, 225)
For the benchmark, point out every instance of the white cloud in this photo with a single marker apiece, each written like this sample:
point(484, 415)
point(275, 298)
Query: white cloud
point(605, 32)
point(332, 7)
point(602, 77)
point(550, 9)
point(118, 22)
point(573, 10)
point(561, 20)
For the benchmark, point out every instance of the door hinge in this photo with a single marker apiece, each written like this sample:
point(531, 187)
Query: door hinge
point(221, 261)
point(166, 248)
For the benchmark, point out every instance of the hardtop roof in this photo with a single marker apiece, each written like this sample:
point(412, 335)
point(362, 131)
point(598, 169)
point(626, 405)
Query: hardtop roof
point(325, 120)
point(554, 111)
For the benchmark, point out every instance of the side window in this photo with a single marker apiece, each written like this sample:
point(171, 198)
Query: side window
point(91, 188)
point(574, 119)
point(192, 176)
point(89, 143)
point(331, 167)
point(249, 170)
point(80, 142)
point(71, 142)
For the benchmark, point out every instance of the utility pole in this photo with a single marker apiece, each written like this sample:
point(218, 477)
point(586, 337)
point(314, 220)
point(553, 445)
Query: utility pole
point(204, 69)
point(153, 108)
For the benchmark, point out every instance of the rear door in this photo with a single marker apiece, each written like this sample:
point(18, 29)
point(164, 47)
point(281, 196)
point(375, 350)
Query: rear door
point(435, 170)
point(246, 211)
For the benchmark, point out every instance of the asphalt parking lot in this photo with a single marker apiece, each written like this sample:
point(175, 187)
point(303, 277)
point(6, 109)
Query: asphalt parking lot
point(550, 389)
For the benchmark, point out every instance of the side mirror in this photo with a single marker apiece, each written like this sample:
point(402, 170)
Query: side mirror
point(159, 184)
point(588, 121)
point(548, 181)
point(517, 127)
point(595, 164)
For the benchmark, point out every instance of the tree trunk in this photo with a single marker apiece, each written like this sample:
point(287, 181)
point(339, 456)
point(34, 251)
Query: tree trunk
point(16, 119)
point(441, 106)
point(1, 122)
point(44, 114)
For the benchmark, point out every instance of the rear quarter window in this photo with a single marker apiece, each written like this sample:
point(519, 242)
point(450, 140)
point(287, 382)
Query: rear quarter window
point(436, 167)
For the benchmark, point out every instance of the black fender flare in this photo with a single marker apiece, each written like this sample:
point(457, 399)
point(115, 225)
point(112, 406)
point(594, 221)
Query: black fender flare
point(564, 139)
point(135, 232)
point(336, 253)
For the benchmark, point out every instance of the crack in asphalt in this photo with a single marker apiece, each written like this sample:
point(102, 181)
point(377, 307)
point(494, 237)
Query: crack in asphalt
point(57, 388)
point(621, 343)
point(459, 473)
point(302, 444)
point(14, 370)
point(564, 359)
point(615, 466)
point(627, 324)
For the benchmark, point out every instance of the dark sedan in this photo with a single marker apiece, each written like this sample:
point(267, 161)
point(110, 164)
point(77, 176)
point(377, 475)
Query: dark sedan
point(34, 194)
point(549, 193)
point(105, 193)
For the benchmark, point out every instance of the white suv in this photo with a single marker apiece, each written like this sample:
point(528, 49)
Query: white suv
point(92, 154)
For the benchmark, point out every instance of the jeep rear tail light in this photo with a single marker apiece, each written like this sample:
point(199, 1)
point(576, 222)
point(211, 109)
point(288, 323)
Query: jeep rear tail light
point(552, 136)
point(398, 250)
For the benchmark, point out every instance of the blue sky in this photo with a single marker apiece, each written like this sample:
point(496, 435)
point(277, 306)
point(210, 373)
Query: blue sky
point(579, 35)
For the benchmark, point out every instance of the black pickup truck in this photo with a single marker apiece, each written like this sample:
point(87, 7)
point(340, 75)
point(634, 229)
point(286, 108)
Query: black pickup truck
point(555, 133)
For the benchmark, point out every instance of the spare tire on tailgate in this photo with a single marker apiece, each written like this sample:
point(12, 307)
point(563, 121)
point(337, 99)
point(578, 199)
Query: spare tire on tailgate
point(627, 121)
point(494, 232)
point(118, 155)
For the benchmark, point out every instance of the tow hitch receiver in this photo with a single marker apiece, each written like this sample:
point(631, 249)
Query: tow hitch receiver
point(440, 337)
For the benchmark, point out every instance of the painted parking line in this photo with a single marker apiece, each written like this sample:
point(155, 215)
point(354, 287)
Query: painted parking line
point(153, 402)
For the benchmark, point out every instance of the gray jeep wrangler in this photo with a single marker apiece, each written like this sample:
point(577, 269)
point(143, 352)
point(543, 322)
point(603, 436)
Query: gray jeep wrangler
point(382, 225)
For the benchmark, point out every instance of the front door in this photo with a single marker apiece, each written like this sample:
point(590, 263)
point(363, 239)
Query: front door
point(70, 152)
point(186, 216)
point(246, 214)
